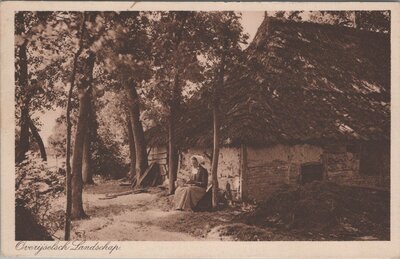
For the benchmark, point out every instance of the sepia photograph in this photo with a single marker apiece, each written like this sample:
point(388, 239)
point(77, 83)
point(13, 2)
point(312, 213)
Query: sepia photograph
point(174, 125)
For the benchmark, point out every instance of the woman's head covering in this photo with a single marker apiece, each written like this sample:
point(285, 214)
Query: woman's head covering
point(199, 159)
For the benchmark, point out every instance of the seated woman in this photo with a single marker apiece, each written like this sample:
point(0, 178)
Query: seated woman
point(187, 196)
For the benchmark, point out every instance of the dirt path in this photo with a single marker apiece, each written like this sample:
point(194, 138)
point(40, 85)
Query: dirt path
point(127, 217)
point(149, 217)
point(130, 217)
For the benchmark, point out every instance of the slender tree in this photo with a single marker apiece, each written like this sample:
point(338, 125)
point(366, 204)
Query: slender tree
point(69, 126)
point(128, 59)
point(132, 151)
point(39, 141)
point(87, 172)
point(224, 36)
point(93, 32)
point(141, 162)
point(22, 80)
point(176, 44)
point(84, 89)
point(35, 74)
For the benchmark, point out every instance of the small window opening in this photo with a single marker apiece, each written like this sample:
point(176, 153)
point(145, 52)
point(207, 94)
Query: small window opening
point(311, 172)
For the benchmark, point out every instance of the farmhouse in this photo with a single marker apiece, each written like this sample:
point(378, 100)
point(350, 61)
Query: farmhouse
point(311, 102)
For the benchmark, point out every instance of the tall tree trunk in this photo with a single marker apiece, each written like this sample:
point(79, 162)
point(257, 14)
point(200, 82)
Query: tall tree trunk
point(171, 153)
point(67, 227)
point(132, 152)
point(173, 108)
point(87, 176)
point(23, 144)
point(38, 139)
point(172, 150)
point(357, 19)
point(214, 168)
point(141, 161)
point(216, 125)
point(77, 211)
point(176, 162)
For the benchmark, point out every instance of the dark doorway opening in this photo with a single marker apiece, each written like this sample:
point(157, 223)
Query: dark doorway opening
point(311, 172)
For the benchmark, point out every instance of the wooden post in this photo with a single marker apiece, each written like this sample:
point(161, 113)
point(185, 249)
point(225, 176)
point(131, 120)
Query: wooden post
point(290, 158)
point(243, 172)
point(325, 166)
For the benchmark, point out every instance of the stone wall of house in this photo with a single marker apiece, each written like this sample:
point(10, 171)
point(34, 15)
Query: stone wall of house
point(344, 165)
point(269, 168)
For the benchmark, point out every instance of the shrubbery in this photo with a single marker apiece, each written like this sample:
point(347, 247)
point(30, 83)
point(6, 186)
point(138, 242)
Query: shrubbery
point(35, 186)
point(108, 160)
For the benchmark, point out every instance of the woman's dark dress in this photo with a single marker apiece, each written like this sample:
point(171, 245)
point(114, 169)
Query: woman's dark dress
point(187, 197)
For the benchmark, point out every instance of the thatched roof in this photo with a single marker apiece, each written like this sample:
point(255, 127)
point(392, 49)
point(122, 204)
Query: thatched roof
point(303, 82)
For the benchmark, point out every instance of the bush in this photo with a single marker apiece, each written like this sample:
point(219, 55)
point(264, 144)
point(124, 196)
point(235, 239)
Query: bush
point(107, 160)
point(326, 207)
point(36, 185)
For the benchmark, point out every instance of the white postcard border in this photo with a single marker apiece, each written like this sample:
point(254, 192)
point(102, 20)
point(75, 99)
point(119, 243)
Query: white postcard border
point(190, 249)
